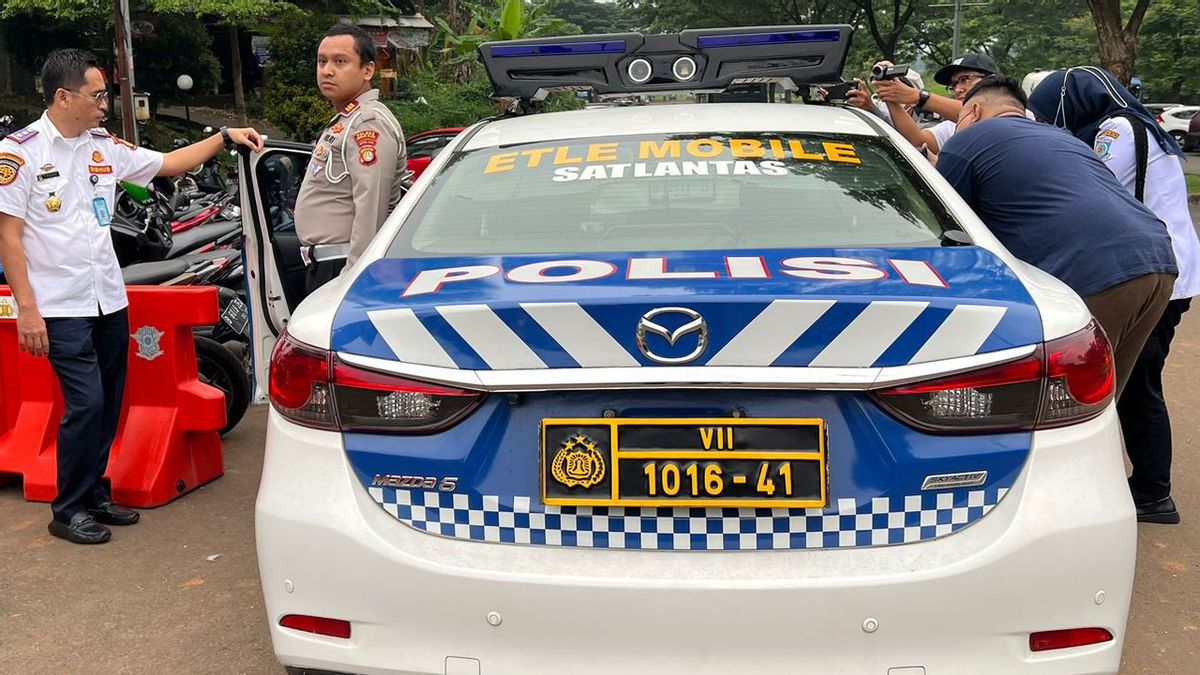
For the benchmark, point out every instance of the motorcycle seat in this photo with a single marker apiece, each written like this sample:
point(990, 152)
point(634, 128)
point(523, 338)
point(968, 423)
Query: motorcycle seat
point(153, 273)
point(192, 239)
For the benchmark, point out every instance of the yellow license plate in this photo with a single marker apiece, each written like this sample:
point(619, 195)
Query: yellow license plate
point(708, 462)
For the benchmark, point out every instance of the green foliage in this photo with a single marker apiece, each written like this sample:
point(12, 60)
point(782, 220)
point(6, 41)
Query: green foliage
point(178, 45)
point(432, 103)
point(436, 104)
point(512, 20)
point(291, 100)
point(592, 16)
point(1169, 51)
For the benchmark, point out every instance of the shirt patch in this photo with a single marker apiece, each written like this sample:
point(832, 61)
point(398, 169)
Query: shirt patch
point(23, 135)
point(97, 158)
point(10, 168)
point(366, 155)
point(319, 152)
point(365, 138)
point(329, 138)
point(338, 128)
point(1104, 148)
point(1109, 133)
point(105, 169)
point(315, 168)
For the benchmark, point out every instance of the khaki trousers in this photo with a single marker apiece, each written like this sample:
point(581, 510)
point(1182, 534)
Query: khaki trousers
point(1128, 312)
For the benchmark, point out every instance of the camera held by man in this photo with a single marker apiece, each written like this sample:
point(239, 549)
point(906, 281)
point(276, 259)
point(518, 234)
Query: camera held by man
point(885, 71)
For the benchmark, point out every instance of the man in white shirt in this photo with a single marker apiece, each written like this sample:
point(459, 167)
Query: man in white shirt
point(959, 76)
point(58, 180)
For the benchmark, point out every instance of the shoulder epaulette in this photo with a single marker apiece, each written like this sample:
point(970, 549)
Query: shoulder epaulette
point(23, 135)
point(100, 132)
point(350, 108)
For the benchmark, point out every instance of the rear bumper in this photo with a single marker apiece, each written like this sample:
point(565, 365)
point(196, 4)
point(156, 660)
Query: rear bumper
point(1057, 552)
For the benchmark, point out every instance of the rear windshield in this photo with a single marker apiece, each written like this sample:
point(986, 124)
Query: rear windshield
point(674, 192)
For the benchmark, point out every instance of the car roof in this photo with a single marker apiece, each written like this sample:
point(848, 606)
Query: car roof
point(669, 118)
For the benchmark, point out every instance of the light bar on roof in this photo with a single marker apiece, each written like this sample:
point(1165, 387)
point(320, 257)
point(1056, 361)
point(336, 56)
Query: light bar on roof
point(502, 51)
point(744, 39)
point(709, 59)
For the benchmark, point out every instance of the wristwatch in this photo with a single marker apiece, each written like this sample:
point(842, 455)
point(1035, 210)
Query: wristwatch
point(225, 136)
point(922, 99)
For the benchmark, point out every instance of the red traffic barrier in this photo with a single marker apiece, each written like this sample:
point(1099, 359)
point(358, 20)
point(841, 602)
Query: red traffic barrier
point(167, 442)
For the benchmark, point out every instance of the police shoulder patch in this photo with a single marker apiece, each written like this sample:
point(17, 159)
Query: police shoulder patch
point(1103, 148)
point(23, 135)
point(10, 168)
point(367, 155)
point(366, 137)
point(1109, 133)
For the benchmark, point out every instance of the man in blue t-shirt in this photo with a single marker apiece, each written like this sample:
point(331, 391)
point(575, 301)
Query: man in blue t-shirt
point(1047, 198)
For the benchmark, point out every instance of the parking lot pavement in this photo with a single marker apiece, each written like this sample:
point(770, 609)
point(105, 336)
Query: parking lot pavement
point(152, 602)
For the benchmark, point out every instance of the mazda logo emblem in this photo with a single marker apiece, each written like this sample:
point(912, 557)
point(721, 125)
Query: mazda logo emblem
point(693, 323)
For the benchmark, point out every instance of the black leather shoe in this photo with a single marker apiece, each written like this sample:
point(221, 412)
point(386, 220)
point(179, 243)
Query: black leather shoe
point(1162, 511)
point(82, 529)
point(114, 514)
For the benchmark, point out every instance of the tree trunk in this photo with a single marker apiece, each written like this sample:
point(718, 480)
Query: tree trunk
point(235, 64)
point(1118, 45)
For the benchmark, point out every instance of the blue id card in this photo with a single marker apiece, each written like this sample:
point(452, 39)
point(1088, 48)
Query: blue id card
point(100, 208)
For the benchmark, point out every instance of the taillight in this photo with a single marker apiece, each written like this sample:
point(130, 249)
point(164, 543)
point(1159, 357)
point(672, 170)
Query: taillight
point(371, 401)
point(1063, 382)
point(313, 388)
point(299, 383)
point(1070, 637)
point(1158, 118)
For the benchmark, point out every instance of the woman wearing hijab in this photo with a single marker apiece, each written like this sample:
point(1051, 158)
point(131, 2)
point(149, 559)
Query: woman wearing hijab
point(1093, 106)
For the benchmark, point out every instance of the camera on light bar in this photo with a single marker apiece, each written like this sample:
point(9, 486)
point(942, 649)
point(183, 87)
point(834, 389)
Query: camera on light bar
point(692, 60)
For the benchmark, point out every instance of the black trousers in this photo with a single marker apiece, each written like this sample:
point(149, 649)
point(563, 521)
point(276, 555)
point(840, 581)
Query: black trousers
point(1143, 412)
point(320, 273)
point(89, 355)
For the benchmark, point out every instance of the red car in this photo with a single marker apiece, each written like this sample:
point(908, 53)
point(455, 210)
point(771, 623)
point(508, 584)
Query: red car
point(423, 147)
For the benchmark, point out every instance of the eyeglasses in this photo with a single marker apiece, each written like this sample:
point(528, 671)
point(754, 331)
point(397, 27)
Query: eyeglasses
point(963, 79)
point(97, 98)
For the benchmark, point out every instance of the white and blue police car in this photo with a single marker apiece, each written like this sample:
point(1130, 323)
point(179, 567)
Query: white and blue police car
point(689, 388)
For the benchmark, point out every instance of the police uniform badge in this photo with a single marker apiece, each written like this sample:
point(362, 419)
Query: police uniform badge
point(367, 141)
point(10, 167)
point(147, 339)
point(53, 203)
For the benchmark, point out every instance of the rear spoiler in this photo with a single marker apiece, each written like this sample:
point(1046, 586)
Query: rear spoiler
point(710, 59)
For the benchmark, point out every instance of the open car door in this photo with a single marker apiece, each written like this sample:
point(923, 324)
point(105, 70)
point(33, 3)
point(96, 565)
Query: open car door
point(269, 184)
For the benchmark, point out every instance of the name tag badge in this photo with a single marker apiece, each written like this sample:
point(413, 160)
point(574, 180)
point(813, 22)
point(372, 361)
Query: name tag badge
point(100, 208)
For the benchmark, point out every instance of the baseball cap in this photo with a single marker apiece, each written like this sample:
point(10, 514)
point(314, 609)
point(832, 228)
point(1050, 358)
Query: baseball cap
point(980, 62)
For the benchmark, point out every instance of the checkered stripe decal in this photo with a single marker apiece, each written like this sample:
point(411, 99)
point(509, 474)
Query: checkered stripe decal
point(850, 523)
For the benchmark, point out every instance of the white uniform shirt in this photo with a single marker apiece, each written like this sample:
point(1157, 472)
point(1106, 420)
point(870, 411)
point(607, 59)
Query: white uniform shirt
point(943, 131)
point(47, 181)
point(1166, 194)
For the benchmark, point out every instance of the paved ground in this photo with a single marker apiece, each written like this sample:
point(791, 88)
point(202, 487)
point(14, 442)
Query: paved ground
point(152, 602)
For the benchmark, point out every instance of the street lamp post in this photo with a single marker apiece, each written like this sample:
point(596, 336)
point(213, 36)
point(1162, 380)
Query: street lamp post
point(184, 82)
